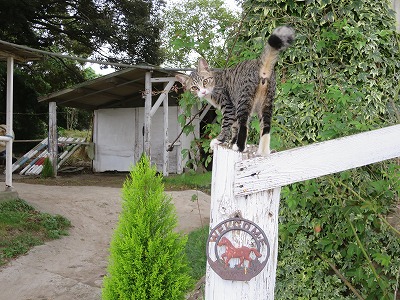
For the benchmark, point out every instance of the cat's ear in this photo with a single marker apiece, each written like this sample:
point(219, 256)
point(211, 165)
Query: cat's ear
point(203, 65)
point(182, 79)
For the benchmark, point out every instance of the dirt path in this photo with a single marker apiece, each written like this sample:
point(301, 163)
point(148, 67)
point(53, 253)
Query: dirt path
point(73, 266)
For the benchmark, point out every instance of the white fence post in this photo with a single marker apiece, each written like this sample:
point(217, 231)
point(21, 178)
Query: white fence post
point(260, 208)
point(245, 197)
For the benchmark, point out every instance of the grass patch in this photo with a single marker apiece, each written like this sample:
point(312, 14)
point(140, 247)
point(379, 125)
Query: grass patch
point(196, 252)
point(22, 227)
point(74, 133)
point(190, 180)
point(197, 239)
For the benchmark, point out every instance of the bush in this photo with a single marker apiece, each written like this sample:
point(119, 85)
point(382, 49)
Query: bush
point(47, 171)
point(147, 258)
point(339, 78)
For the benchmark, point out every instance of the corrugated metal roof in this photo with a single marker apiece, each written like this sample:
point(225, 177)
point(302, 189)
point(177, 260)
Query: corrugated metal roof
point(119, 89)
point(21, 55)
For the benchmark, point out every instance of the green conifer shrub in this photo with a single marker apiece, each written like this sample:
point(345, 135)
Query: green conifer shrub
point(147, 258)
point(47, 171)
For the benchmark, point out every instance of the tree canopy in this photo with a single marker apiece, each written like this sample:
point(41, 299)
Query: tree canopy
point(111, 30)
point(198, 28)
point(118, 30)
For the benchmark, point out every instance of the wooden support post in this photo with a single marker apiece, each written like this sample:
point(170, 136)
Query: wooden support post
point(147, 115)
point(9, 120)
point(260, 208)
point(52, 143)
point(166, 142)
point(179, 163)
point(163, 95)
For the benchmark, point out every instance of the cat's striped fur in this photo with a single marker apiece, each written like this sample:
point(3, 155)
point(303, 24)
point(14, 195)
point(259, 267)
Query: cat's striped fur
point(240, 91)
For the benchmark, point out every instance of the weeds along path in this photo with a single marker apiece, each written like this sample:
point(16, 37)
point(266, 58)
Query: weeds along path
point(73, 266)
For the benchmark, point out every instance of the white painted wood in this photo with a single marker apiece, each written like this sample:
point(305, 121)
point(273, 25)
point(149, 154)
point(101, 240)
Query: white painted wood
point(282, 168)
point(52, 144)
point(178, 145)
point(396, 8)
point(179, 164)
point(157, 140)
point(138, 133)
point(118, 137)
point(148, 128)
point(161, 98)
point(163, 79)
point(165, 139)
point(68, 152)
point(252, 187)
point(147, 115)
point(9, 120)
point(21, 161)
point(261, 208)
point(114, 139)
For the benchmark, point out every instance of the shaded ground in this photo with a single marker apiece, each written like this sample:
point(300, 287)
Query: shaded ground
point(77, 179)
point(73, 267)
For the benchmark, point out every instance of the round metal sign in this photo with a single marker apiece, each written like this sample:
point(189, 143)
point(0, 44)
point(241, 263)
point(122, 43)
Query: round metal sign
point(237, 249)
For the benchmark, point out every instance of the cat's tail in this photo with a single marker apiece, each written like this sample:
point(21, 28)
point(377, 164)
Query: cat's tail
point(280, 39)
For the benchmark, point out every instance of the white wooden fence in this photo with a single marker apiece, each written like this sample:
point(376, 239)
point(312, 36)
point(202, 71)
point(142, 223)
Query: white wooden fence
point(251, 188)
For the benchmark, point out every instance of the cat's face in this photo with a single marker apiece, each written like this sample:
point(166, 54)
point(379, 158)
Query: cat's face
point(200, 82)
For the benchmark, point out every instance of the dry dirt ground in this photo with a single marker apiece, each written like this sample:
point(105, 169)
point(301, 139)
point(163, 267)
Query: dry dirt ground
point(73, 267)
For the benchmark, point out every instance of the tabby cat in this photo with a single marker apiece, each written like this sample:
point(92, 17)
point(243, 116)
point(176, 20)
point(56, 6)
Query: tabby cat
point(242, 90)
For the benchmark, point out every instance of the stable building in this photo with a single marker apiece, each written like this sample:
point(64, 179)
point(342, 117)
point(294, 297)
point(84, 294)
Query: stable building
point(135, 111)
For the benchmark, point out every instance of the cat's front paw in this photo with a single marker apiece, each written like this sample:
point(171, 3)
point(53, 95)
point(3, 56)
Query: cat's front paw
point(263, 152)
point(236, 147)
point(213, 143)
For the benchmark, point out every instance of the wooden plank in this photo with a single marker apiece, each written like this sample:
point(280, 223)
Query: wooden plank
point(138, 130)
point(161, 98)
point(74, 145)
point(9, 120)
point(53, 145)
point(21, 161)
point(312, 161)
point(165, 134)
point(163, 79)
point(147, 116)
point(260, 208)
point(178, 145)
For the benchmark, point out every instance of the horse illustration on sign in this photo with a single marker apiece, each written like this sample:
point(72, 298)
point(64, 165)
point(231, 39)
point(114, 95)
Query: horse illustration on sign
point(237, 240)
point(243, 253)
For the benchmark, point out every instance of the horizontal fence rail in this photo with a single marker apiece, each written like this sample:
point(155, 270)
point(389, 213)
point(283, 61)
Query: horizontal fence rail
point(246, 191)
point(312, 161)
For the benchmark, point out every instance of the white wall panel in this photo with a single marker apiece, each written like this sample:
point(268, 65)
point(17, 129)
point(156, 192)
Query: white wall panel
point(116, 140)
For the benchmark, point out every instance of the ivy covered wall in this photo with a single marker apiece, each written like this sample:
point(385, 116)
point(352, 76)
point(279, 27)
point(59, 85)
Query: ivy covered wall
point(340, 77)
